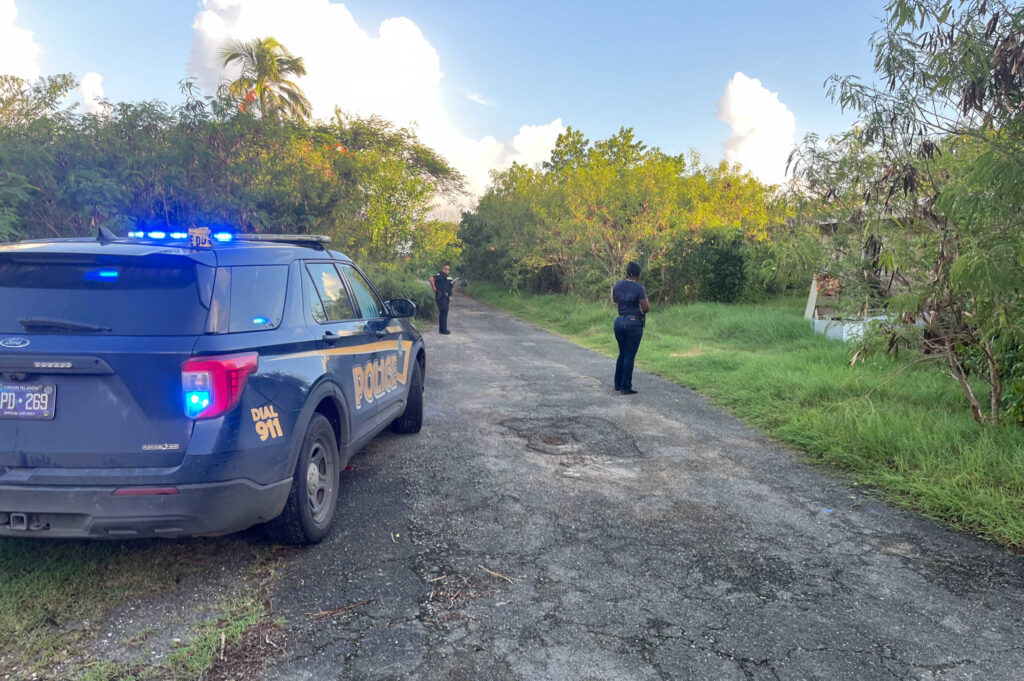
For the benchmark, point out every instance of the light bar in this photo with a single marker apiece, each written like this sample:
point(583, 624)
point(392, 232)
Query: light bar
point(224, 237)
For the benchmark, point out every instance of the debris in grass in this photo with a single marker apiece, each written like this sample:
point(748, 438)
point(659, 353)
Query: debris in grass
point(247, 658)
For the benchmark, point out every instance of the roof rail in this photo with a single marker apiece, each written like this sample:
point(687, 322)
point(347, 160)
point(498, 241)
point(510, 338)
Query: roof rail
point(312, 240)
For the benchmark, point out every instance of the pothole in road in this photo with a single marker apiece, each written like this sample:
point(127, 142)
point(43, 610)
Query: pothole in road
point(569, 435)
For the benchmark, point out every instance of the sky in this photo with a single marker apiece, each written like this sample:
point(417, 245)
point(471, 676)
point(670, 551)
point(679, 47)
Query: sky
point(488, 83)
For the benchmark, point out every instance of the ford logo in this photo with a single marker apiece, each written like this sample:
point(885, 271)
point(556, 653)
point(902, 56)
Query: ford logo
point(14, 342)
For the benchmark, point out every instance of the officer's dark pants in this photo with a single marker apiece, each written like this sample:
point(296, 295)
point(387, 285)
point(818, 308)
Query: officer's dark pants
point(442, 312)
point(628, 333)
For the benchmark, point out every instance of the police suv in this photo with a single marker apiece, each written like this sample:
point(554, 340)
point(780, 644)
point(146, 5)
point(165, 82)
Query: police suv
point(192, 383)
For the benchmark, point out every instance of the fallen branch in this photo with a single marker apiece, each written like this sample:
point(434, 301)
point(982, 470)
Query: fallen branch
point(338, 611)
point(492, 573)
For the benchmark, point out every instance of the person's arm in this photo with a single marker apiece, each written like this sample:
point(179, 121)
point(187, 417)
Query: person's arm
point(644, 305)
point(433, 285)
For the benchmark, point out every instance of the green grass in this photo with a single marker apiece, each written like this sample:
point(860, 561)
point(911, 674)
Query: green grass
point(55, 594)
point(900, 425)
point(191, 660)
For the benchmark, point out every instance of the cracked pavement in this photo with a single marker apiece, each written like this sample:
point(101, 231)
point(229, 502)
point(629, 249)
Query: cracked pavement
point(543, 527)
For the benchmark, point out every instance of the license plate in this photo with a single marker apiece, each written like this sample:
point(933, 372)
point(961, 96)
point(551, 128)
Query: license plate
point(27, 401)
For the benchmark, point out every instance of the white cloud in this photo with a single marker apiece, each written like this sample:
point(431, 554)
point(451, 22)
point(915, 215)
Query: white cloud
point(478, 98)
point(763, 128)
point(396, 74)
point(93, 95)
point(19, 53)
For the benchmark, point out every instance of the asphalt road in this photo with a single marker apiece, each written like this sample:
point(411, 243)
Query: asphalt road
point(543, 527)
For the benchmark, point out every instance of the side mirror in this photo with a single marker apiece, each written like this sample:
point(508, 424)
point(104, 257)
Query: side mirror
point(400, 307)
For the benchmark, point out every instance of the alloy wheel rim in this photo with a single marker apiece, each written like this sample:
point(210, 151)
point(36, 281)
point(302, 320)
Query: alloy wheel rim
point(319, 483)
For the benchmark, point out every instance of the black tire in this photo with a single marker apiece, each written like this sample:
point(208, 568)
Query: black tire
point(411, 420)
point(313, 499)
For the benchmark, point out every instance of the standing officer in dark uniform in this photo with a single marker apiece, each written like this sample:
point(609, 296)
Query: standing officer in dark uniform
point(631, 297)
point(442, 285)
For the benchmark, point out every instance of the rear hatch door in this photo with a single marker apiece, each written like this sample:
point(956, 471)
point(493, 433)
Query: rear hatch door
point(91, 348)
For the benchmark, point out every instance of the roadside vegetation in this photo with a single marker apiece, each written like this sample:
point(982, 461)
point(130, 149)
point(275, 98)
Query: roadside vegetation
point(894, 423)
point(55, 597)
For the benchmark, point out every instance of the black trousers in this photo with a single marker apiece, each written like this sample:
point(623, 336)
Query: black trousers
point(628, 333)
point(442, 311)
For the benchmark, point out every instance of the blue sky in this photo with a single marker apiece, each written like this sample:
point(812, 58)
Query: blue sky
point(658, 67)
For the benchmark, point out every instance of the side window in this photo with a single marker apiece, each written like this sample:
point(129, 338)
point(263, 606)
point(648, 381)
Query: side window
point(369, 303)
point(316, 306)
point(332, 291)
point(257, 297)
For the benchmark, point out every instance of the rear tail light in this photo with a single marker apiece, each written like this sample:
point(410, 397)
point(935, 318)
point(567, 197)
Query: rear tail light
point(213, 385)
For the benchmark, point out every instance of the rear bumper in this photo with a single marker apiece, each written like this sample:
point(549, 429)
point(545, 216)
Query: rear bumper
point(94, 512)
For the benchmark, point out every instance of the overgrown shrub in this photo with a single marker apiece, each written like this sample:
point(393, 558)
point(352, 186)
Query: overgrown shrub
point(709, 266)
point(393, 281)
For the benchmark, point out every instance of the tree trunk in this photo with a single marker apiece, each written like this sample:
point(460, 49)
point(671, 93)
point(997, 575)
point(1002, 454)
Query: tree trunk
point(958, 374)
point(995, 380)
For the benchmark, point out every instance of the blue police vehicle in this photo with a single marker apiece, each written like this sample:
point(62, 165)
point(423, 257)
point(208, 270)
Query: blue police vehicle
point(192, 383)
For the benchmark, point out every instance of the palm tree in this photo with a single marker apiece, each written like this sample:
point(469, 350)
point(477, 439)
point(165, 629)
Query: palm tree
point(266, 66)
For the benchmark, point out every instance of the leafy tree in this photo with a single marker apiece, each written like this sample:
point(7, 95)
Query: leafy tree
point(937, 159)
point(365, 182)
point(22, 103)
point(571, 225)
point(264, 82)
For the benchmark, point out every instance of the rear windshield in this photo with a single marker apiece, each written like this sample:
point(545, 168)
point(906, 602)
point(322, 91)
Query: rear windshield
point(155, 297)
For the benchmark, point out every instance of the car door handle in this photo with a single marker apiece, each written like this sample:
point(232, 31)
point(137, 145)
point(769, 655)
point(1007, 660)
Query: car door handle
point(380, 332)
point(330, 336)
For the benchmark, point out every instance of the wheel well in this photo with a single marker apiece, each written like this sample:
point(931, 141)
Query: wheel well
point(330, 410)
point(421, 357)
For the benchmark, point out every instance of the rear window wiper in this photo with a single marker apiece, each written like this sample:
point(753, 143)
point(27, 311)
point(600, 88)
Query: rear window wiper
point(40, 322)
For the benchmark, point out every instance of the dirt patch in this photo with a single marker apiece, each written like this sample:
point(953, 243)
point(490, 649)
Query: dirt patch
point(249, 657)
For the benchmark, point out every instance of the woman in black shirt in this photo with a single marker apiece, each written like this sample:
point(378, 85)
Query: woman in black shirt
point(631, 297)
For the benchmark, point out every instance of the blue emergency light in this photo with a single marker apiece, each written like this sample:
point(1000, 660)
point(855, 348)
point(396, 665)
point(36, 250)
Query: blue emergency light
point(196, 401)
point(101, 275)
point(160, 235)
